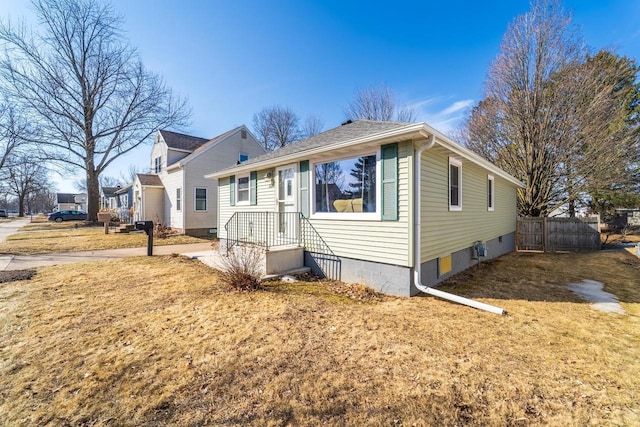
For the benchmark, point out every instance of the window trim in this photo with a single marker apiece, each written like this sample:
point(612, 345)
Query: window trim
point(157, 164)
point(179, 199)
point(195, 199)
point(360, 216)
point(457, 163)
point(248, 190)
point(491, 193)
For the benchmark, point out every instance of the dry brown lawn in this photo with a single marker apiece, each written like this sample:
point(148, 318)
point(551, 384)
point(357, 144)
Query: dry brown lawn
point(160, 341)
point(81, 239)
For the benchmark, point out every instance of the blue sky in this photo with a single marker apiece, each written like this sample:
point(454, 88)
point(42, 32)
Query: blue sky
point(230, 59)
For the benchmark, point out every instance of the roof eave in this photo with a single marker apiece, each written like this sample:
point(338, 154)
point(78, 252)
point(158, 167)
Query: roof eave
point(449, 144)
point(404, 132)
point(407, 132)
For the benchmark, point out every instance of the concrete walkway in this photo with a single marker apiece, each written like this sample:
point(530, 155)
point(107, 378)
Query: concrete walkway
point(201, 251)
point(20, 262)
point(7, 228)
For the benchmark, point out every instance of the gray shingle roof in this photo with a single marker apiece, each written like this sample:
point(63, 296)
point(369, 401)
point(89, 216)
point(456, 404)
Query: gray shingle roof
point(206, 145)
point(109, 191)
point(346, 132)
point(149, 179)
point(181, 141)
point(123, 189)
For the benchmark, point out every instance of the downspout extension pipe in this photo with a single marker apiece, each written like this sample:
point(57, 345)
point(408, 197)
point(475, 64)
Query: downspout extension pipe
point(417, 280)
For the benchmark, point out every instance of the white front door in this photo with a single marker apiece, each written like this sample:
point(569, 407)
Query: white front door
point(287, 200)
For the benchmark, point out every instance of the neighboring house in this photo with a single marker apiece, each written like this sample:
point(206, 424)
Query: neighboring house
point(70, 201)
point(626, 217)
point(124, 202)
point(108, 197)
point(176, 192)
point(376, 199)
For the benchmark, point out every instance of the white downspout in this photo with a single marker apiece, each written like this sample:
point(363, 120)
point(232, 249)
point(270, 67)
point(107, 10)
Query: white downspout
point(416, 243)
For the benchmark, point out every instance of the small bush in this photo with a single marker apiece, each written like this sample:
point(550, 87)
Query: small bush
point(242, 267)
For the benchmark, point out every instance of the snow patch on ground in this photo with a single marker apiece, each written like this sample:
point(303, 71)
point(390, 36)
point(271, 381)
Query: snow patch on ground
point(591, 290)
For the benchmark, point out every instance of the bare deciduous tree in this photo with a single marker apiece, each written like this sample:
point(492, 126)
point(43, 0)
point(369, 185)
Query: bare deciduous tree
point(43, 200)
point(85, 87)
point(547, 114)
point(377, 103)
point(27, 176)
point(276, 127)
point(313, 125)
point(13, 133)
point(128, 176)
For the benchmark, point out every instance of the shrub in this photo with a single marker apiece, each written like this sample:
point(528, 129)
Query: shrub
point(242, 267)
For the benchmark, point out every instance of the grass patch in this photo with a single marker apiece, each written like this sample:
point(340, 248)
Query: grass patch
point(82, 239)
point(161, 341)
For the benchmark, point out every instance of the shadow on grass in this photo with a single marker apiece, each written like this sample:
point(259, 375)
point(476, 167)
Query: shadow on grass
point(545, 276)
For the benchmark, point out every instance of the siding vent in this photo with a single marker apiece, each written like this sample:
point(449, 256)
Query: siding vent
point(243, 134)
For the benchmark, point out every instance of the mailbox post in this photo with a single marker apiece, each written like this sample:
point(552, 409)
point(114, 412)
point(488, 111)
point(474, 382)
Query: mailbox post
point(147, 226)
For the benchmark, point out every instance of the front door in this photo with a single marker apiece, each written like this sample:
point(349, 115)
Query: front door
point(287, 202)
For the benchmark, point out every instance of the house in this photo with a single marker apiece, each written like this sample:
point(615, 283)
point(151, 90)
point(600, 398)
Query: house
point(108, 198)
point(124, 202)
point(70, 201)
point(176, 192)
point(397, 206)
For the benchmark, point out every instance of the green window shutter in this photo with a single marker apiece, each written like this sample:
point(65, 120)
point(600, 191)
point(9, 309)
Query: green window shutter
point(232, 190)
point(304, 188)
point(389, 182)
point(253, 188)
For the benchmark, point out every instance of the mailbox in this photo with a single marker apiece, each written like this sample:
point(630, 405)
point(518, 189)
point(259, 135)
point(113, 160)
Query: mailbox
point(147, 226)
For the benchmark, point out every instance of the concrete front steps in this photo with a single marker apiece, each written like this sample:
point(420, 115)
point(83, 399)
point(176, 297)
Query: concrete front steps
point(274, 263)
point(284, 260)
point(125, 228)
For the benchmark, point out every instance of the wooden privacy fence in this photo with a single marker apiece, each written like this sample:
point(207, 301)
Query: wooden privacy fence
point(558, 234)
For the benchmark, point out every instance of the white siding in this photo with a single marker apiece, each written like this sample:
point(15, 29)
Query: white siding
point(444, 231)
point(219, 156)
point(159, 149)
point(171, 181)
point(172, 157)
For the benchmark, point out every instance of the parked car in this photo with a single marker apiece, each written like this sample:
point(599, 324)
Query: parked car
point(3, 213)
point(67, 216)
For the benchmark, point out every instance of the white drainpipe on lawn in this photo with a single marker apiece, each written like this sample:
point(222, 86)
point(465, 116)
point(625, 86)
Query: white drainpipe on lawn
point(416, 244)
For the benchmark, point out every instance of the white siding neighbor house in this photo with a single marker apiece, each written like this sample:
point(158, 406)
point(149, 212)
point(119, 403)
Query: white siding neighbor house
point(397, 206)
point(68, 201)
point(175, 192)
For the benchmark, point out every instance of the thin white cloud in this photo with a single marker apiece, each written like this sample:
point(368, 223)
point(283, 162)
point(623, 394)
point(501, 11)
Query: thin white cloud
point(444, 118)
point(457, 106)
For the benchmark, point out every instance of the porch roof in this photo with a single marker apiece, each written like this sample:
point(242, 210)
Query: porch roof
point(149, 180)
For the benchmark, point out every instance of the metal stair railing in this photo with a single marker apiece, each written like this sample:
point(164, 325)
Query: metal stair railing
point(311, 240)
point(272, 229)
point(265, 229)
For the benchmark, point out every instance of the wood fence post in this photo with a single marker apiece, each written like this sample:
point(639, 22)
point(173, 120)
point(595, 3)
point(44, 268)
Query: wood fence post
point(545, 235)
